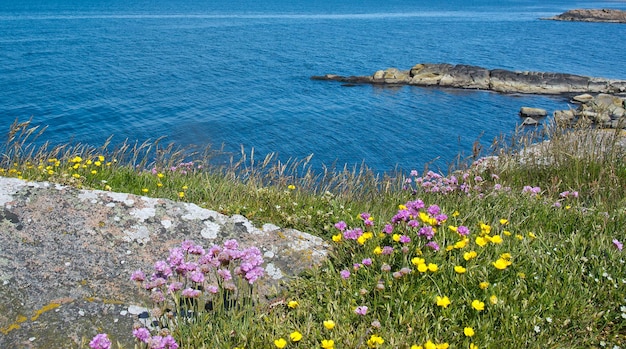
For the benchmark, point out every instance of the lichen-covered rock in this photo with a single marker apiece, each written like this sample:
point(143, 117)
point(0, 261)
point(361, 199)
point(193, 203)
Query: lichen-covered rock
point(592, 15)
point(66, 256)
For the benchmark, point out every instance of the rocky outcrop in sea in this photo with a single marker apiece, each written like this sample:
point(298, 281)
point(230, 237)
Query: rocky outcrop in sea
point(602, 110)
point(592, 15)
point(479, 78)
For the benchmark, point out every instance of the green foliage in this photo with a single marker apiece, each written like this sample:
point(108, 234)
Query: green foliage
point(565, 285)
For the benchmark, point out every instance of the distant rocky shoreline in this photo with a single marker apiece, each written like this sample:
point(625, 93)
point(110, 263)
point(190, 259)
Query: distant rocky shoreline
point(592, 15)
point(479, 78)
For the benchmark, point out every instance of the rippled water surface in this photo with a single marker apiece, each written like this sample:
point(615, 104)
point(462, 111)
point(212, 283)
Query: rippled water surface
point(234, 73)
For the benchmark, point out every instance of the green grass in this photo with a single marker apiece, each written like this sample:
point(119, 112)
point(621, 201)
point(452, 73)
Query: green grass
point(565, 286)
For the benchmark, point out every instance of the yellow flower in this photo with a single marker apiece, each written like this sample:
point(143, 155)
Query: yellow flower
point(100, 158)
point(422, 268)
point(493, 299)
point(181, 194)
point(481, 241)
point(107, 187)
point(416, 261)
point(280, 343)
point(478, 305)
point(433, 267)
point(401, 207)
point(89, 162)
point(473, 346)
point(76, 166)
point(93, 172)
point(443, 346)
point(76, 159)
point(496, 239)
point(375, 341)
point(468, 331)
point(159, 184)
point(76, 175)
point(329, 324)
point(97, 163)
point(328, 344)
point(453, 228)
point(507, 233)
point(506, 256)
point(449, 248)
point(504, 221)
point(443, 301)
point(337, 238)
point(291, 187)
point(145, 190)
point(469, 255)
point(485, 229)
point(160, 175)
point(185, 187)
point(395, 237)
point(531, 235)
point(295, 336)
point(459, 269)
point(521, 275)
point(293, 304)
point(519, 237)
point(483, 285)
point(361, 240)
point(430, 345)
point(501, 264)
point(461, 244)
point(455, 214)
point(415, 346)
point(378, 250)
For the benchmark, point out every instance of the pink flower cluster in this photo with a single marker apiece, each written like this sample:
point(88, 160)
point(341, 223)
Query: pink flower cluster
point(433, 182)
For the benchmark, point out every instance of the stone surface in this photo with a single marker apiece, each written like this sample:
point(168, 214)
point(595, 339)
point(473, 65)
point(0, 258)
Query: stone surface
point(532, 112)
point(530, 122)
point(499, 80)
point(603, 110)
point(66, 256)
point(592, 15)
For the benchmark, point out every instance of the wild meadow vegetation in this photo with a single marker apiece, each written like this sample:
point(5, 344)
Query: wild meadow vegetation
point(522, 250)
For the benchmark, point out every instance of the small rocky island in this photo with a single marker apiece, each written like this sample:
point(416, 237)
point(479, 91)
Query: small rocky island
point(592, 15)
point(479, 78)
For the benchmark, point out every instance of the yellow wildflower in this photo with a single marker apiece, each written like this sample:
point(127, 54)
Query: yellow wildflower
point(501, 264)
point(160, 175)
point(459, 269)
point(328, 344)
point(485, 229)
point(375, 341)
point(519, 237)
point(481, 241)
point(507, 233)
point(378, 250)
point(504, 221)
point(181, 194)
point(453, 228)
point(455, 214)
point(493, 299)
point(280, 343)
point(443, 346)
point(291, 187)
point(531, 235)
point(469, 255)
point(416, 261)
point(430, 345)
point(422, 268)
point(443, 301)
point(433, 267)
point(337, 238)
point(478, 305)
point(483, 285)
point(461, 244)
point(496, 239)
point(395, 237)
point(506, 256)
point(329, 324)
point(473, 346)
point(401, 207)
point(295, 336)
point(145, 190)
point(415, 346)
point(293, 304)
point(468, 331)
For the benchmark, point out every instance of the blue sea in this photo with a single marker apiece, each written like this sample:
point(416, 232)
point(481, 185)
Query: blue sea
point(237, 73)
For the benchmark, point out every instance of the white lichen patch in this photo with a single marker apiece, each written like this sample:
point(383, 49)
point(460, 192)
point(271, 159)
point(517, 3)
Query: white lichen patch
point(210, 230)
point(246, 223)
point(143, 213)
point(273, 271)
point(268, 227)
point(8, 187)
point(139, 233)
point(166, 223)
point(195, 212)
point(269, 254)
point(121, 197)
point(87, 195)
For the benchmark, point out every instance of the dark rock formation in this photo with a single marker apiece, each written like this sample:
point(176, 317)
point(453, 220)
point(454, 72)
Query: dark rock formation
point(66, 256)
point(473, 77)
point(592, 15)
point(602, 110)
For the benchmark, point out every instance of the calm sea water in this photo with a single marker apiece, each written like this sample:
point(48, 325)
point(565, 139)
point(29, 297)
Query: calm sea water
point(237, 73)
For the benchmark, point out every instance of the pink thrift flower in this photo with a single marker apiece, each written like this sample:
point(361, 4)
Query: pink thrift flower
point(388, 229)
point(405, 239)
point(618, 244)
point(212, 289)
point(191, 293)
point(433, 245)
point(463, 230)
point(367, 261)
point(100, 341)
point(361, 310)
point(142, 334)
point(345, 274)
point(341, 225)
point(138, 276)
